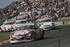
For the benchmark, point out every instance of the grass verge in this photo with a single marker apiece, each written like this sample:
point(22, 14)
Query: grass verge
point(4, 37)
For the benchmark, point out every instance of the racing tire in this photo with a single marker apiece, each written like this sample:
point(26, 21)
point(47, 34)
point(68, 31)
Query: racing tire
point(42, 35)
point(35, 37)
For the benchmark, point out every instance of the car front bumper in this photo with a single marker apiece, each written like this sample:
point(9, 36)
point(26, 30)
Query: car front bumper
point(47, 28)
point(18, 41)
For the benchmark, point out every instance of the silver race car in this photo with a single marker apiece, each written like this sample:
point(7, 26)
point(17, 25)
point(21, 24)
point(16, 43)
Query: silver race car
point(26, 33)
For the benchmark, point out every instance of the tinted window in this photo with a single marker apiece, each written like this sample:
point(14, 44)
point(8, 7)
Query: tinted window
point(25, 27)
point(48, 20)
point(9, 23)
point(20, 22)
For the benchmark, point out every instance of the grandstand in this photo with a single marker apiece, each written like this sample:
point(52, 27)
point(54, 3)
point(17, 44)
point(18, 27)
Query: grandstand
point(37, 9)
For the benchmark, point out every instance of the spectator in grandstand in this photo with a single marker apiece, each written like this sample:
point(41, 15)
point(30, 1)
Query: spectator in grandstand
point(54, 8)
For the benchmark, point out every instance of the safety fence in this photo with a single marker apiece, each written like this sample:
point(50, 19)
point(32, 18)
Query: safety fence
point(62, 21)
point(67, 22)
point(59, 23)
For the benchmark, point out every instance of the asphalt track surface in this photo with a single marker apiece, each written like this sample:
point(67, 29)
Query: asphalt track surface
point(59, 37)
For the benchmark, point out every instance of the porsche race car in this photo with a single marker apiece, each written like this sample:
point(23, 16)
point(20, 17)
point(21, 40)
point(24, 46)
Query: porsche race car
point(26, 33)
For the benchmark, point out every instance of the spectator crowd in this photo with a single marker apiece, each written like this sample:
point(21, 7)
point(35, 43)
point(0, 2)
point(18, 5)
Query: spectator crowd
point(36, 9)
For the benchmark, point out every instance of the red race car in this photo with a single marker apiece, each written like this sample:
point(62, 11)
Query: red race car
point(26, 33)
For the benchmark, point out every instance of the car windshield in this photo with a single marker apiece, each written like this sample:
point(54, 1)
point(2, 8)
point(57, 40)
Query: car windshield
point(48, 20)
point(25, 27)
point(9, 23)
point(20, 22)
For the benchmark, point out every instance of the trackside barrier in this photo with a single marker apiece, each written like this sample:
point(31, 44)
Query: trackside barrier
point(63, 19)
point(67, 22)
point(59, 23)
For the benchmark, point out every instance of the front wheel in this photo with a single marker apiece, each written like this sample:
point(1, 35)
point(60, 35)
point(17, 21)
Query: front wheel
point(42, 36)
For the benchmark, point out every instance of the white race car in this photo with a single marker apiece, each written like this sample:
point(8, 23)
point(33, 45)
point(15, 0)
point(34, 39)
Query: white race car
point(46, 23)
point(26, 33)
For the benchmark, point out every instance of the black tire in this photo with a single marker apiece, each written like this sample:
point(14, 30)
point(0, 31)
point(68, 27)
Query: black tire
point(42, 35)
point(53, 28)
point(2, 31)
point(35, 37)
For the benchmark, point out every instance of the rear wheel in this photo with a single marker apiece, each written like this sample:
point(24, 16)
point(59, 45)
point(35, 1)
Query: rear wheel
point(42, 35)
point(35, 37)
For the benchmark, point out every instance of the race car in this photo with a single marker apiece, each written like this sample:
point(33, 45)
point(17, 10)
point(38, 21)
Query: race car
point(46, 23)
point(26, 33)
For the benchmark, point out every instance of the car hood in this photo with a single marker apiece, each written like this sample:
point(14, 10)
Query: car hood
point(21, 32)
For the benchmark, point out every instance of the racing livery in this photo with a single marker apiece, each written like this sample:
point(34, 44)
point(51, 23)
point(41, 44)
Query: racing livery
point(26, 33)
